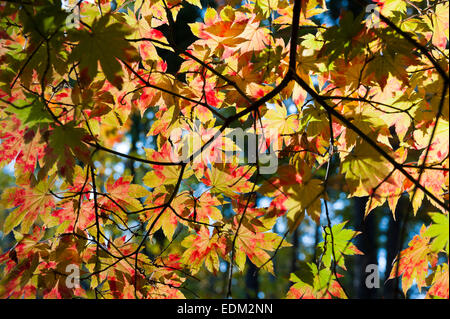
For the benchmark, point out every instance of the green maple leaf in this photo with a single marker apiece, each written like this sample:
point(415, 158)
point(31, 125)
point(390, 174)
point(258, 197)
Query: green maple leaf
point(30, 113)
point(393, 58)
point(440, 231)
point(304, 197)
point(266, 6)
point(342, 245)
point(364, 169)
point(35, 202)
point(105, 44)
point(65, 146)
point(311, 282)
point(340, 39)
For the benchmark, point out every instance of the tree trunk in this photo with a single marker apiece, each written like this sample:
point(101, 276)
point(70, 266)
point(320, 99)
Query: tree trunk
point(392, 242)
point(294, 256)
point(251, 281)
point(367, 243)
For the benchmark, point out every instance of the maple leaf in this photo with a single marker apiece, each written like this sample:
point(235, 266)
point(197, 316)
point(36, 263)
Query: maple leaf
point(346, 33)
point(22, 145)
point(267, 6)
point(364, 169)
point(393, 58)
point(202, 208)
point(257, 38)
point(65, 144)
point(304, 197)
point(122, 192)
point(95, 98)
point(255, 244)
point(314, 284)
point(298, 192)
point(439, 288)
point(438, 22)
point(388, 190)
point(30, 113)
point(105, 44)
point(168, 223)
point(204, 248)
point(170, 218)
point(71, 214)
point(21, 262)
point(439, 231)
point(413, 262)
point(434, 181)
point(164, 175)
point(277, 119)
point(342, 245)
point(390, 7)
point(228, 179)
point(29, 203)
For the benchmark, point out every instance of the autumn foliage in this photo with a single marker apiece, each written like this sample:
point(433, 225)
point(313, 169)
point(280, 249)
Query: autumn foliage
point(360, 107)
